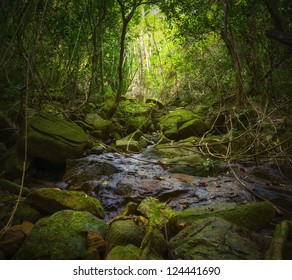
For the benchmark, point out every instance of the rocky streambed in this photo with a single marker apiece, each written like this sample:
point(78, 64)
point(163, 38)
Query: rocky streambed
point(115, 206)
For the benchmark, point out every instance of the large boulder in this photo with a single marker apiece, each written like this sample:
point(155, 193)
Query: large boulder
point(214, 238)
point(253, 216)
point(62, 236)
point(101, 127)
point(55, 140)
point(169, 121)
point(124, 232)
point(50, 200)
point(193, 127)
point(128, 252)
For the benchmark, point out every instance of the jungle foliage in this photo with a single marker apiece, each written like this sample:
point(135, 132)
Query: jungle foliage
point(85, 51)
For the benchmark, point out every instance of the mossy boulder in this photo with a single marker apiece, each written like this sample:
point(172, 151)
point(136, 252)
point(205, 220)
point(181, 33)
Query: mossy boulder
point(156, 102)
point(201, 110)
point(61, 236)
point(123, 232)
point(128, 252)
point(25, 212)
point(170, 120)
point(127, 145)
point(131, 108)
point(101, 127)
point(12, 187)
point(193, 127)
point(50, 200)
point(214, 238)
point(54, 139)
point(253, 216)
point(138, 122)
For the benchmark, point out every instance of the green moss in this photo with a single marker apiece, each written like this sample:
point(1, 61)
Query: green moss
point(61, 236)
point(129, 252)
point(253, 216)
point(12, 187)
point(128, 145)
point(123, 232)
point(102, 128)
point(170, 120)
point(52, 200)
point(25, 212)
point(55, 140)
point(194, 127)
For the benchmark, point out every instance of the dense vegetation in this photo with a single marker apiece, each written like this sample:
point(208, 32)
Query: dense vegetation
point(207, 82)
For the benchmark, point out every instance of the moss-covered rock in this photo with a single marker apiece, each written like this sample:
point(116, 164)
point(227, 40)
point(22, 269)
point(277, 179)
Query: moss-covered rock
point(127, 145)
point(135, 123)
point(61, 236)
point(201, 110)
point(25, 212)
point(280, 246)
point(50, 200)
point(131, 108)
point(170, 120)
point(128, 252)
point(253, 216)
point(101, 127)
point(193, 127)
point(54, 139)
point(156, 102)
point(214, 238)
point(123, 232)
point(13, 187)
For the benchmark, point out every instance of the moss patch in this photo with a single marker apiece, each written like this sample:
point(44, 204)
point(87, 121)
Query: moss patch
point(53, 200)
point(61, 236)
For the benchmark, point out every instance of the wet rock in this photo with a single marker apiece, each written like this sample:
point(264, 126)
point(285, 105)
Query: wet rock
point(82, 173)
point(253, 216)
point(123, 232)
point(55, 140)
point(61, 236)
point(50, 200)
point(216, 239)
point(13, 238)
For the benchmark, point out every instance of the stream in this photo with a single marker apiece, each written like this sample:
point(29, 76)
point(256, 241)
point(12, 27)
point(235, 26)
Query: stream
point(116, 180)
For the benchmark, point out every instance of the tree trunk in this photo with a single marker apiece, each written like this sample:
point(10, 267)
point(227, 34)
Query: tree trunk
point(230, 42)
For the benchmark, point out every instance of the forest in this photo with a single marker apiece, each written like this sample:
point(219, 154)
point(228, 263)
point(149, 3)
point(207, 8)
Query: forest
point(146, 129)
